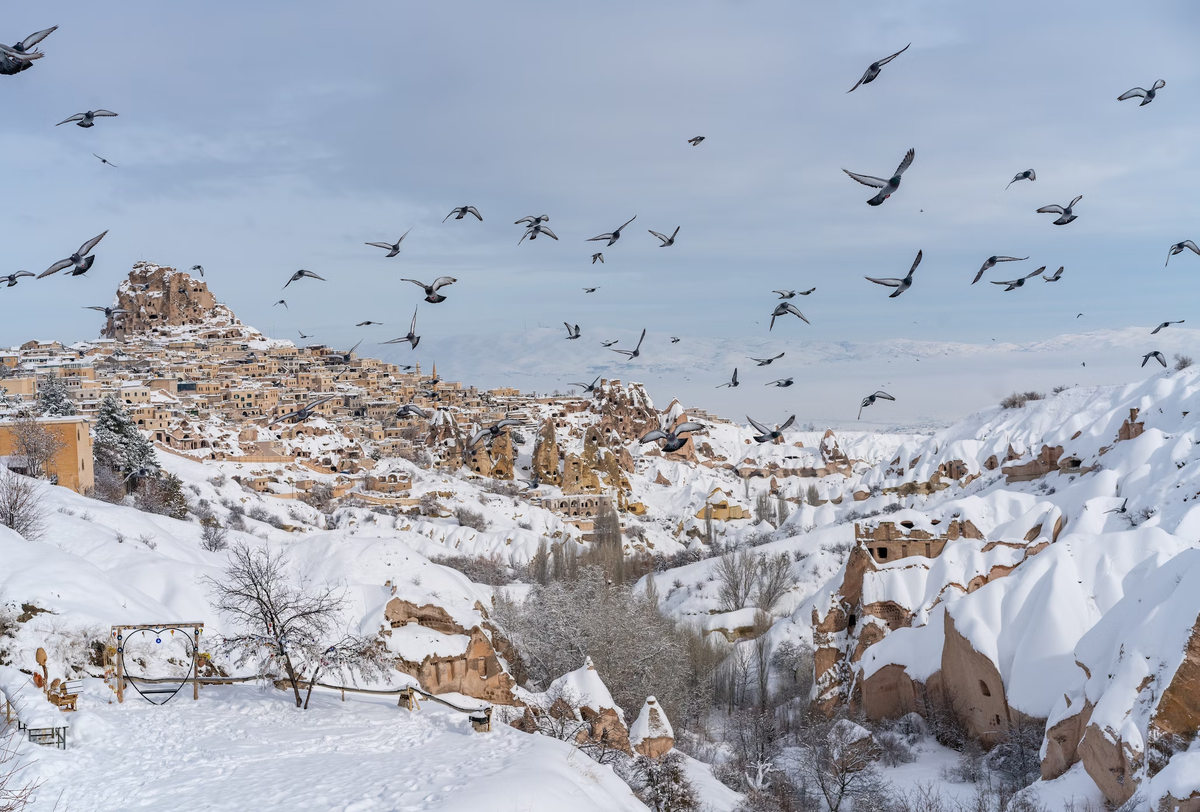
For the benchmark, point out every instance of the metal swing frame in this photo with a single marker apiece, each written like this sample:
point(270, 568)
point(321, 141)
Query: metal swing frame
point(191, 633)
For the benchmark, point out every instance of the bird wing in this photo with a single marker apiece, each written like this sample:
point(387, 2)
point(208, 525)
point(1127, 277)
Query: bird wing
point(1076, 200)
point(34, 39)
point(806, 292)
point(101, 309)
point(651, 436)
point(891, 283)
point(1011, 259)
point(442, 281)
point(1051, 209)
point(380, 245)
point(735, 380)
point(283, 417)
point(451, 214)
point(783, 294)
point(1035, 273)
point(982, 271)
point(508, 421)
point(627, 222)
point(1129, 94)
point(475, 211)
point(1160, 84)
point(312, 275)
point(640, 340)
point(866, 73)
point(1152, 332)
point(601, 237)
point(916, 262)
point(415, 282)
point(1190, 244)
point(476, 437)
point(791, 308)
point(107, 113)
point(662, 237)
point(867, 180)
point(759, 426)
point(76, 117)
point(907, 162)
point(686, 428)
point(624, 352)
point(1011, 283)
point(777, 357)
point(56, 267)
point(888, 59)
point(787, 423)
point(568, 328)
point(412, 328)
point(549, 233)
point(884, 395)
point(530, 219)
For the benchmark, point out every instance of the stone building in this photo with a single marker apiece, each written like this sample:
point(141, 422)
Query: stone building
point(71, 466)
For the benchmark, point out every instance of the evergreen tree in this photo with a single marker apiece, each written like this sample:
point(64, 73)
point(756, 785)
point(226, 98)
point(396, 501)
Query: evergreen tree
point(664, 783)
point(116, 441)
point(53, 400)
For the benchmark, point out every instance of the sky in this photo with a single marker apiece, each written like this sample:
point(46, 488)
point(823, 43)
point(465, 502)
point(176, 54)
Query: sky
point(257, 139)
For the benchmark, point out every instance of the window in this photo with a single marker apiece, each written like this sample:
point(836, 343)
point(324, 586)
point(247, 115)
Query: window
point(882, 552)
point(984, 690)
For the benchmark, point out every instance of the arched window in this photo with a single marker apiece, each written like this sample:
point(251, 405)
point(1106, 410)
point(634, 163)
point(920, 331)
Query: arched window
point(984, 690)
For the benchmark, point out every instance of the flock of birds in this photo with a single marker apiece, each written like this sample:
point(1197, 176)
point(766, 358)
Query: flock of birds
point(20, 57)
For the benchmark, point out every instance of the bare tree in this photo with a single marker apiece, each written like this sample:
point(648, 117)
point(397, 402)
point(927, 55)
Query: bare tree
point(736, 573)
point(279, 624)
point(775, 579)
point(38, 445)
point(839, 760)
point(351, 657)
point(15, 794)
point(21, 506)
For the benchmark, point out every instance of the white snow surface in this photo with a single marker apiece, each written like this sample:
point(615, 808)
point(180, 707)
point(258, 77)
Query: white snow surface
point(650, 725)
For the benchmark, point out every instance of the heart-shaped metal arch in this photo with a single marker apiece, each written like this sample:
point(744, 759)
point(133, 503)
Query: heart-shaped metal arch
point(158, 696)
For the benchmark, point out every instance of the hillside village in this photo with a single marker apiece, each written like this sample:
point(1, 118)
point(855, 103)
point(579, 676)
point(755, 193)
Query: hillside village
point(1021, 577)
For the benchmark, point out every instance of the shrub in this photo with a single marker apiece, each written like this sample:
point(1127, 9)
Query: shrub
point(812, 496)
point(481, 569)
point(1182, 362)
point(1018, 399)
point(1058, 390)
point(213, 537)
point(21, 507)
point(471, 518)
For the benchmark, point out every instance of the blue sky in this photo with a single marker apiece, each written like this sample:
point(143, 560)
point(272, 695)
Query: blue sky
point(258, 141)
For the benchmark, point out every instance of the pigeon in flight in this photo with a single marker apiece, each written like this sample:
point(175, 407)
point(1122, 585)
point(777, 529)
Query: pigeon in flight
point(302, 274)
point(533, 231)
point(666, 241)
point(12, 278)
point(303, 337)
point(1013, 284)
point(532, 221)
point(612, 237)
point(990, 263)
point(789, 294)
point(1057, 275)
point(411, 410)
point(782, 383)
point(766, 362)
point(732, 383)
point(19, 57)
point(766, 435)
point(607, 344)
point(1121, 509)
point(109, 312)
point(391, 249)
point(1065, 211)
point(87, 119)
point(869, 400)
point(572, 334)
point(886, 187)
point(493, 431)
point(282, 302)
point(303, 413)
point(1164, 325)
point(599, 256)
point(348, 355)
point(588, 388)
point(1028, 174)
point(873, 70)
point(412, 339)
point(199, 268)
point(900, 285)
point(782, 309)
point(1178, 247)
point(591, 290)
point(106, 161)
point(369, 324)
point(674, 437)
point(80, 259)
point(675, 339)
point(462, 211)
point(695, 142)
point(1146, 96)
point(636, 351)
point(431, 294)
point(1156, 355)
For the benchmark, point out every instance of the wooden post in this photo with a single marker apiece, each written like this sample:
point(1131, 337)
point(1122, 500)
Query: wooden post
point(120, 669)
point(195, 663)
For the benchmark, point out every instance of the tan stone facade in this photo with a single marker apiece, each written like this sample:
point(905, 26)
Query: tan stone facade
point(72, 465)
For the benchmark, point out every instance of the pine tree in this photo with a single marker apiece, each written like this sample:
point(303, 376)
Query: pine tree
point(664, 783)
point(53, 400)
point(116, 441)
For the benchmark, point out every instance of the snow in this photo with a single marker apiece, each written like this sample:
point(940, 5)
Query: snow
point(651, 723)
point(30, 704)
point(584, 687)
point(414, 643)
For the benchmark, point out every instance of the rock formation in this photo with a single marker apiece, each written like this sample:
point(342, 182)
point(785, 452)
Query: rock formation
point(159, 298)
point(651, 733)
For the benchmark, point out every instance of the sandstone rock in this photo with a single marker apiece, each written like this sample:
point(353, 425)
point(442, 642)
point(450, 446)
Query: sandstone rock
point(651, 733)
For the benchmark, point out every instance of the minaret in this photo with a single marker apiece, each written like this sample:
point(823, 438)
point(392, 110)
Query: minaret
point(435, 377)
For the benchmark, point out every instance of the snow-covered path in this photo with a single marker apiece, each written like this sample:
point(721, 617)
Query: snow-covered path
point(246, 748)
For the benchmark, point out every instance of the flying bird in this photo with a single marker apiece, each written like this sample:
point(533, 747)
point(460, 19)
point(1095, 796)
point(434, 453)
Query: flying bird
point(695, 142)
point(462, 211)
point(1146, 96)
point(106, 161)
point(886, 187)
point(588, 388)
point(990, 263)
point(87, 119)
point(675, 339)
point(782, 309)
point(766, 435)
point(789, 294)
point(1057, 275)
point(869, 400)
point(612, 236)
point(900, 285)
point(410, 410)
point(1178, 247)
point(493, 431)
point(12, 278)
point(533, 231)
point(591, 290)
point(599, 256)
point(572, 334)
point(369, 324)
point(391, 248)
point(1065, 211)
point(431, 294)
point(636, 351)
point(1013, 284)
point(412, 339)
point(531, 220)
point(732, 383)
point(766, 362)
point(303, 413)
point(302, 274)
point(1120, 509)
point(282, 302)
point(673, 436)
point(666, 241)
point(303, 336)
point(1156, 355)
point(1164, 325)
point(109, 312)
point(80, 259)
point(782, 383)
point(607, 344)
point(19, 57)
point(873, 69)
point(1028, 174)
